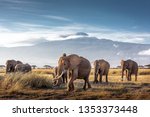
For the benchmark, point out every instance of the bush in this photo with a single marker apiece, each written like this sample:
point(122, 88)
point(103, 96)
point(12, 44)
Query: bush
point(144, 73)
point(18, 81)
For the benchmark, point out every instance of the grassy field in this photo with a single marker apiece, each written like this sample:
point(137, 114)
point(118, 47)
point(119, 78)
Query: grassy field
point(38, 85)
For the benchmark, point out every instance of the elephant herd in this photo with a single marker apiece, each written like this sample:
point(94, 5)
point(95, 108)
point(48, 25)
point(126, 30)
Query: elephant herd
point(17, 66)
point(74, 67)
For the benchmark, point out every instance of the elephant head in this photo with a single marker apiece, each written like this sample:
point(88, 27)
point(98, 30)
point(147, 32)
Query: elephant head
point(66, 63)
point(124, 67)
point(10, 65)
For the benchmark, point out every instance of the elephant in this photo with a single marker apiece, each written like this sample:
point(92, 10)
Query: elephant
point(64, 76)
point(23, 68)
point(101, 67)
point(10, 65)
point(77, 67)
point(131, 67)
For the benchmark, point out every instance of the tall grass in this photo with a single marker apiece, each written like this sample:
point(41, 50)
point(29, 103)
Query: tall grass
point(19, 81)
point(144, 71)
point(43, 71)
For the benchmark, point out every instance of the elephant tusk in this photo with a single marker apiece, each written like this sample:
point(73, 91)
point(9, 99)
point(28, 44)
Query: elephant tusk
point(58, 77)
point(57, 81)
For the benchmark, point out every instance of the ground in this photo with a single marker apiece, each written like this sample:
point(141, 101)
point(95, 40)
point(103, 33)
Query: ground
point(114, 90)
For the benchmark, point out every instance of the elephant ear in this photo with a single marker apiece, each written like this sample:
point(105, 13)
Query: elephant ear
point(127, 64)
point(122, 62)
point(95, 62)
point(74, 61)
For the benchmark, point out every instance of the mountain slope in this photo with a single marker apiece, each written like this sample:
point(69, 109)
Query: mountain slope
point(90, 47)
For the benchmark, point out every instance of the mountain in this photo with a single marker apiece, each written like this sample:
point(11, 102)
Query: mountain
point(81, 34)
point(48, 52)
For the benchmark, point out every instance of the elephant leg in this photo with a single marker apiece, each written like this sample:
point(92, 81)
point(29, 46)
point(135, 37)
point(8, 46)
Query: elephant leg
point(66, 80)
point(74, 76)
point(95, 79)
point(84, 87)
point(126, 73)
point(135, 77)
point(100, 79)
point(128, 78)
point(88, 82)
point(63, 78)
point(106, 77)
point(70, 85)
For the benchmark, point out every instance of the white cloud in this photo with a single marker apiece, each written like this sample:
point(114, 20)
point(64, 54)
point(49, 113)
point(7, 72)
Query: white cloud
point(17, 1)
point(144, 52)
point(118, 53)
point(57, 17)
point(123, 36)
point(3, 29)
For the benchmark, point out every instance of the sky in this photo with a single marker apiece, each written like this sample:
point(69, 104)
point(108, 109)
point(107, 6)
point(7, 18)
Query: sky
point(118, 20)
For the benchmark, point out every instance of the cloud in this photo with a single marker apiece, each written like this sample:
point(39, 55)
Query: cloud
point(60, 18)
point(145, 52)
point(22, 31)
point(17, 1)
point(30, 26)
point(3, 29)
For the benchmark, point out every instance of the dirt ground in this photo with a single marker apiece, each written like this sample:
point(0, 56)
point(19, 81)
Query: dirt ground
point(114, 90)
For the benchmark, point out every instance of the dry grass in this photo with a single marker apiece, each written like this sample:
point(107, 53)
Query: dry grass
point(38, 85)
point(43, 71)
point(19, 81)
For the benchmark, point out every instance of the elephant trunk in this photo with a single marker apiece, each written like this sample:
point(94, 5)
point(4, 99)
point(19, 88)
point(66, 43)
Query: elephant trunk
point(95, 75)
point(6, 69)
point(58, 79)
point(122, 74)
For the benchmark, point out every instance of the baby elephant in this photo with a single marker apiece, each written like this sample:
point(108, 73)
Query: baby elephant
point(101, 67)
point(23, 68)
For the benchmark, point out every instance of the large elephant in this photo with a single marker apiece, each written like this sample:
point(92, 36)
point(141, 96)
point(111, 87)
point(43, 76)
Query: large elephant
point(131, 67)
point(23, 68)
point(64, 76)
point(76, 67)
point(10, 65)
point(101, 67)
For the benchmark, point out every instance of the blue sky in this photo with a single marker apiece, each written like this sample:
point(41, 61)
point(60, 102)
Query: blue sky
point(118, 20)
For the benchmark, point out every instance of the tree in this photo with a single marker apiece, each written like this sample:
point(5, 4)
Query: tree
point(118, 67)
point(141, 66)
point(2, 66)
point(147, 66)
point(33, 66)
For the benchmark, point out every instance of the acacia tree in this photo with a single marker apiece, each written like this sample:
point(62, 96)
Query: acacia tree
point(2, 66)
point(33, 66)
point(148, 66)
point(47, 66)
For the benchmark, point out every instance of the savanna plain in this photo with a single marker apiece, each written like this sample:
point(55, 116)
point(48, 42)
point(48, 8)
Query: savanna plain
point(38, 85)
